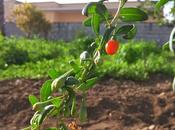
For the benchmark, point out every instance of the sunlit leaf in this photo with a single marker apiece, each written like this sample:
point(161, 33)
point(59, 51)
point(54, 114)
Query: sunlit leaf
point(95, 22)
point(160, 3)
point(88, 84)
point(45, 91)
point(33, 99)
point(89, 9)
point(57, 102)
point(40, 105)
point(87, 22)
point(132, 14)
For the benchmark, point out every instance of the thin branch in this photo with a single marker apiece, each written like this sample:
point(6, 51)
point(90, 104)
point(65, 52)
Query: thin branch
point(117, 13)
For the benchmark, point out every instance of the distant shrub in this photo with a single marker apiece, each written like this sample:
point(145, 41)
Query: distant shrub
point(21, 50)
point(14, 55)
point(31, 20)
point(134, 51)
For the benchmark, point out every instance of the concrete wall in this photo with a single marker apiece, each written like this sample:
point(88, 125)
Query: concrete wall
point(67, 31)
point(150, 31)
point(12, 30)
point(1, 16)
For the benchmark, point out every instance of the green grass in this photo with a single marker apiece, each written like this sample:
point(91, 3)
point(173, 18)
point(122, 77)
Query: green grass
point(139, 60)
point(34, 70)
point(135, 60)
point(20, 51)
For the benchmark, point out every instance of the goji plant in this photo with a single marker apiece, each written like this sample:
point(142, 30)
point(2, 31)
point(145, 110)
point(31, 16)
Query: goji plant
point(171, 41)
point(58, 95)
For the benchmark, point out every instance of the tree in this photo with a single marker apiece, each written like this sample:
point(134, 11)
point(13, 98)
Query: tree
point(2, 16)
point(31, 20)
point(160, 16)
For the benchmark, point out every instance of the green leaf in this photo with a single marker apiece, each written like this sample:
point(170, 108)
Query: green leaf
point(83, 111)
point(66, 110)
point(132, 15)
point(87, 22)
point(40, 105)
point(173, 85)
point(60, 81)
point(160, 3)
point(73, 108)
point(74, 66)
point(33, 99)
point(45, 91)
point(95, 9)
point(127, 31)
point(71, 100)
point(91, 82)
point(71, 80)
point(88, 84)
point(53, 73)
point(89, 9)
point(95, 22)
point(102, 11)
point(44, 113)
point(57, 102)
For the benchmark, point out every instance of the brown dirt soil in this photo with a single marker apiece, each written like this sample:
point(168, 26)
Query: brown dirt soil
point(112, 104)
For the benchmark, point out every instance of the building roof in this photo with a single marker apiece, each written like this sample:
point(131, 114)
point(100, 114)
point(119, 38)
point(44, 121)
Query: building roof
point(55, 6)
point(63, 13)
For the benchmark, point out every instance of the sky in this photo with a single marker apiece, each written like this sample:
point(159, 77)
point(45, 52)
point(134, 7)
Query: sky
point(167, 9)
point(62, 1)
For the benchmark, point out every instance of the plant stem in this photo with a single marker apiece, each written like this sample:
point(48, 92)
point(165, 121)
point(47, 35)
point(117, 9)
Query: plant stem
point(90, 66)
point(117, 13)
point(171, 40)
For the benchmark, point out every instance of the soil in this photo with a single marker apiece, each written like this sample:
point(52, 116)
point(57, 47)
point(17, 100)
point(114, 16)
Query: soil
point(113, 104)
